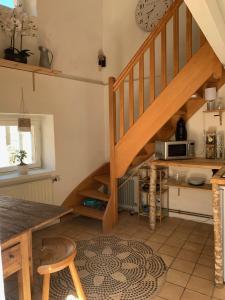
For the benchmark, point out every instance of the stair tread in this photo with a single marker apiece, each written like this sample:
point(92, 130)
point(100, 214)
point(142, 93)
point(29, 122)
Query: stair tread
point(89, 212)
point(95, 195)
point(104, 178)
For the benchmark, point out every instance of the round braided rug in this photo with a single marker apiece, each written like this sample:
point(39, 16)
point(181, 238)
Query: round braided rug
point(114, 269)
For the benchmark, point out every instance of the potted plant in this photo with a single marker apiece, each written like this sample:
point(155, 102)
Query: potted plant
point(16, 23)
point(19, 156)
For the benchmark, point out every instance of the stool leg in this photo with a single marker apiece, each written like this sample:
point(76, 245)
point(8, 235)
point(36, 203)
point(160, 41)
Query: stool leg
point(76, 281)
point(46, 286)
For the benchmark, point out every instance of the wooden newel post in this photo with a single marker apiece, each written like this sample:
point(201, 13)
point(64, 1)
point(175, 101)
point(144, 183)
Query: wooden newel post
point(218, 248)
point(112, 141)
point(152, 206)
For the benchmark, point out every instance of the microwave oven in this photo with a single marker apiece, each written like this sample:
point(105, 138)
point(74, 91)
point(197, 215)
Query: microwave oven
point(174, 149)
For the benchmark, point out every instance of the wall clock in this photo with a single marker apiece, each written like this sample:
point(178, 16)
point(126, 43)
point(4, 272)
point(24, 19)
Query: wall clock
point(149, 12)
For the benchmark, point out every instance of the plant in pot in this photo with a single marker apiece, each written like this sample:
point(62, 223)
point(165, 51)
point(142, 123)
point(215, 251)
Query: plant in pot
point(19, 156)
point(17, 24)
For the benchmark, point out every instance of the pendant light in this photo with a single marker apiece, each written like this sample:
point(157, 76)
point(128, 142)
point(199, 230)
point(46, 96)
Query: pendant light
point(24, 124)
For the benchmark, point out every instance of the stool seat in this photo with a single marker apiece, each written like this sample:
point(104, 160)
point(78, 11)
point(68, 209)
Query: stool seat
point(58, 253)
point(56, 249)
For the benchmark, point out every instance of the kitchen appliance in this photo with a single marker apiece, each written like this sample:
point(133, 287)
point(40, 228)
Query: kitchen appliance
point(174, 149)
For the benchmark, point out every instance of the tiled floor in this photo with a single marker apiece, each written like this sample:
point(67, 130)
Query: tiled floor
point(185, 246)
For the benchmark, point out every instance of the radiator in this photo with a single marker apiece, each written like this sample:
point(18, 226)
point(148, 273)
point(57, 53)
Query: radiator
point(37, 191)
point(128, 193)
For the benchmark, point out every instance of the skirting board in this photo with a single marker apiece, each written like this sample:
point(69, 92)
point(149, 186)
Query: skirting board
point(191, 216)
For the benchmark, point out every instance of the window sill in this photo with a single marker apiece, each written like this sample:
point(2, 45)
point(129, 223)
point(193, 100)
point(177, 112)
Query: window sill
point(13, 178)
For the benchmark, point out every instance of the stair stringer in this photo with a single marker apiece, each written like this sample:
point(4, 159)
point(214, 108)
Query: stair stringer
point(203, 65)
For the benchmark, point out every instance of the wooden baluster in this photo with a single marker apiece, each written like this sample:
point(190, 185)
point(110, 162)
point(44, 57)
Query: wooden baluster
point(122, 125)
point(141, 85)
point(131, 98)
point(163, 58)
point(202, 38)
point(176, 43)
point(152, 72)
point(188, 34)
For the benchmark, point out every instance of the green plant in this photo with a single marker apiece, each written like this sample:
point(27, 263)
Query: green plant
point(19, 156)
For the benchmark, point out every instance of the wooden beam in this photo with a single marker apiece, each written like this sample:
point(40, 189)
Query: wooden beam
point(152, 72)
point(176, 43)
point(188, 34)
point(122, 121)
point(163, 59)
point(141, 86)
point(131, 98)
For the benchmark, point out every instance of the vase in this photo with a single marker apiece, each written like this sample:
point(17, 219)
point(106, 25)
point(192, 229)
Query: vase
point(23, 169)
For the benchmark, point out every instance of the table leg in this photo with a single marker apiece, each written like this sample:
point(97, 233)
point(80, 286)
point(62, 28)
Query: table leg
point(152, 210)
point(218, 247)
point(31, 256)
point(24, 274)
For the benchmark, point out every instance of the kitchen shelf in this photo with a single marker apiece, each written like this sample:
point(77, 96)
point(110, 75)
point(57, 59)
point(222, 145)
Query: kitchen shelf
point(28, 68)
point(174, 183)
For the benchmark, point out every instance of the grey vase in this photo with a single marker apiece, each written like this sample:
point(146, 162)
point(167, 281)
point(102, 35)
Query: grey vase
point(46, 57)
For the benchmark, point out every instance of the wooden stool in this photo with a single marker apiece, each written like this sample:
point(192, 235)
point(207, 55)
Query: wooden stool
point(57, 254)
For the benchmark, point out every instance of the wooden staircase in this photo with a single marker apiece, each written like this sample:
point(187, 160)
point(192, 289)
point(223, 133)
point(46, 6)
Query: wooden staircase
point(132, 138)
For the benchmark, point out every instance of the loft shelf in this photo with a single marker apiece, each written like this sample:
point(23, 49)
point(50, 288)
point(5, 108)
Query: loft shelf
point(174, 183)
point(28, 68)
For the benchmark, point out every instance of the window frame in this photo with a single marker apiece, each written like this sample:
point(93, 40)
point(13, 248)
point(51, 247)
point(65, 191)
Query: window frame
point(37, 142)
point(16, 2)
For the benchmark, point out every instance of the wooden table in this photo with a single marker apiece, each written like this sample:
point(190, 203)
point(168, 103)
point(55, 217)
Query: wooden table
point(203, 164)
point(18, 218)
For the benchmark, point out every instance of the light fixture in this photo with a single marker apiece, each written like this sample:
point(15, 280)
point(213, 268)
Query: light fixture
point(210, 97)
point(24, 124)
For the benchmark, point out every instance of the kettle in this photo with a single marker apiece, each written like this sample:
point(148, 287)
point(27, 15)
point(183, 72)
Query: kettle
point(46, 57)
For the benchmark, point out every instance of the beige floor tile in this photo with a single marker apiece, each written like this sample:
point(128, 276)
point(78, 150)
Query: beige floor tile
point(155, 246)
point(169, 250)
point(194, 247)
point(179, 236)
point(198, 239)
point(183, 265)
point(158, 238)
point(191, 295)
point(188, 255)
point(219, 293)
point(208, 250)
point(167, 259)
point(175, 242)
point(204, 272)
point(143, 235)
point(207, 261)
point(200, 285)
point(171, 291)
point(177, 277)
point(165, 231)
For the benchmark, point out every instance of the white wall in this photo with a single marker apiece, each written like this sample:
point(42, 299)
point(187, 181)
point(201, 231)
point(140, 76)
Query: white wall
point(73, 31)
point(78, 110)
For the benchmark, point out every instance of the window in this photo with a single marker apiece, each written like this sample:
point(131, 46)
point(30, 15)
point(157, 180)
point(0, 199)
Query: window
point(8, 3)
point(12, 140)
